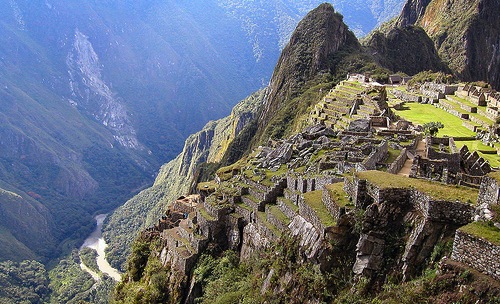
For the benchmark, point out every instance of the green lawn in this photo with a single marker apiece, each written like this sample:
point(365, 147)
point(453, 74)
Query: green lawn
point(435, 190)
point(475, 145)
point(423, 113)
point(483, 230)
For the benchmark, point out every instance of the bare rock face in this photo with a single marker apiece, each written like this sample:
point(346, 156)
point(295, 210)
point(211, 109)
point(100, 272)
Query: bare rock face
point(95, 96)
point(412, 11)
point(466, 34)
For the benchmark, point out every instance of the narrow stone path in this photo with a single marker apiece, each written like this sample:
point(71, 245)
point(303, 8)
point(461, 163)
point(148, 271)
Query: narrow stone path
point(405, 171)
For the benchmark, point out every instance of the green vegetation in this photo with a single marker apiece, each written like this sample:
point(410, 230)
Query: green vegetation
point(485, 230)
point(338, 194)
point(68, 282)
point(445, 285)
point(430, 76)
point(25, 282)
point(88, 256)
point(225, 279)
point(424, 113)
point(435, 190)
point(432, 128)
point(314, 199)
point(146, 280)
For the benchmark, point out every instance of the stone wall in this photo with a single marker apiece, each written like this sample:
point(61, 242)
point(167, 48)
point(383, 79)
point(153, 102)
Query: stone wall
point(407, 97)
point(442, 211)
point(477, 253)
point(331, 205)
point(287, 210)
point(310, 215)
point(398, 163)
point(275, 221)
point(376, 156)
point(489, 192)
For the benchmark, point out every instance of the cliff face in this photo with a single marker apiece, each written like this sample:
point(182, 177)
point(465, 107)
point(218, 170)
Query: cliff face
point(465, 33)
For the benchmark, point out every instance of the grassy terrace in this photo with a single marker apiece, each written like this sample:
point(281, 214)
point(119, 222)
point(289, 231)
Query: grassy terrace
point(262, 217)
point(338, 194)
point(483, 230)
point(423, 113)
point(315, 201)
point(436, 190)
point(278, 214)
point(290, 204)
point(204, 213)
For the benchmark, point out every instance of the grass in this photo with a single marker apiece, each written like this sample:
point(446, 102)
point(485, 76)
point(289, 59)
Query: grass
point(423, 113)
point(204, 213)
point(477, 145)
point(315, 201)
point(278, 214)
point(262, 218)
point(435, 190)
point(338, 194)
point(483, 230)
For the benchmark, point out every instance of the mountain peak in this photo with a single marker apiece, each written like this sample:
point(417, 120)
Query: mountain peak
point(315, 40)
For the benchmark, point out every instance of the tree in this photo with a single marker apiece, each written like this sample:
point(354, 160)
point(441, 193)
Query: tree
point(431, 128)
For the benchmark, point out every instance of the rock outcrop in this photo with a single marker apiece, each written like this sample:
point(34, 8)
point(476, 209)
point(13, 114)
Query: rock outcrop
point(407, 49)
point(308, 55)
point(465, 32)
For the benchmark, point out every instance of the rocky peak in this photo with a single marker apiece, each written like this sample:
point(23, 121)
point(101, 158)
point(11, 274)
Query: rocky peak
point(317, 37)
point(412, 12)
point(465, 33)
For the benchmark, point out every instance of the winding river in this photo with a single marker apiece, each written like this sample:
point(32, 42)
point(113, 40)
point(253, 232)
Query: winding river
point(96, 241)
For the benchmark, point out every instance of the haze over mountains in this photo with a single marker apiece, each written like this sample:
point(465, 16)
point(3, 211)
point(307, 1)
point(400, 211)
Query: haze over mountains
point(95, 95)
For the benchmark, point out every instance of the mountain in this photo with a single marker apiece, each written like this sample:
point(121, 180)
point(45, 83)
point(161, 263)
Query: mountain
point(465, 34)
point(322, 41)
point(405, 49)
point(300, 209)
point(96, 95)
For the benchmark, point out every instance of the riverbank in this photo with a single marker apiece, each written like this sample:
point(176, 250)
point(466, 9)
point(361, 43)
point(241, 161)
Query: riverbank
point(96, 242)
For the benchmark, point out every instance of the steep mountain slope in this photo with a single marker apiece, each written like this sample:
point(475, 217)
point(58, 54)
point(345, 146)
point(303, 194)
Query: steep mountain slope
point(207, 145)
point(305, 217)
point(95, 95)
point(320, 52)
point(406, 49)
point(465, 33)
point(317, 38)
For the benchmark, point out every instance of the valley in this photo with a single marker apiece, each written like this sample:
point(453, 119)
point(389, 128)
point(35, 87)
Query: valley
point(359, 170)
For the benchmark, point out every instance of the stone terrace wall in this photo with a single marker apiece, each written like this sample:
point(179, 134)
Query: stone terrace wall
point(376, 156)
point(309, 215)
point(331, 205)
point(405, 96)
point(477, 253)
point(456, 212)
point(489, 191)
point(398, 163)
